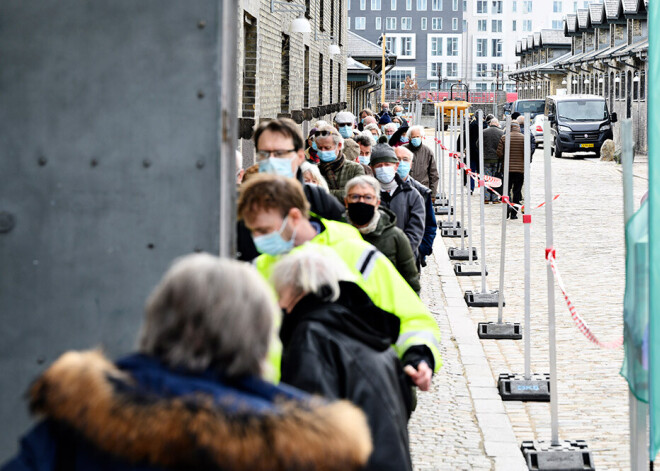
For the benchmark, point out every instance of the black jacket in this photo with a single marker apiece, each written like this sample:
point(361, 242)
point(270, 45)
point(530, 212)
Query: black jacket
point(408, 205)
point(321, 203)
point(331, 350)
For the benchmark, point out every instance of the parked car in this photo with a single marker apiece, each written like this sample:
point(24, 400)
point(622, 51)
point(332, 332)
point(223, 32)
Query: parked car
point(533, 107)
point(537, 129)
point(579, 123)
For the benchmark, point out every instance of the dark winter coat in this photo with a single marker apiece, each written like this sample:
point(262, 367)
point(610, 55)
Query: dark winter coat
point(424, 167)
point(342, 349)
point(321, 203)
point(408, 205)
point(430, 222)
point(492, 137)
point(139, 415)
point(517, 152)
point(394, 244)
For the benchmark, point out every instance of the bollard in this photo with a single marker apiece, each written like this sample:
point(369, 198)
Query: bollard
point(449, 223)
point(526, 387)
point(470, 254)
point(483, 298)
point(441, 205)
point(554, 455)
point(455, 230)
point(502, 330)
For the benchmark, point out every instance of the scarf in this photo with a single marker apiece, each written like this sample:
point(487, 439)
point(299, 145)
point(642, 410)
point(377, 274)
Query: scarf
point(330, 170)
point(369, 228)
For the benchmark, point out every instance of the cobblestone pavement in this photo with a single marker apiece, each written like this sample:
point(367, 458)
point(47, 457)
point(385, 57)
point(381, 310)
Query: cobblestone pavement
point(589, 241)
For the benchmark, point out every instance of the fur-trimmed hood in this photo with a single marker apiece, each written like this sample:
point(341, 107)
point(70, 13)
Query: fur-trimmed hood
point(87, 393)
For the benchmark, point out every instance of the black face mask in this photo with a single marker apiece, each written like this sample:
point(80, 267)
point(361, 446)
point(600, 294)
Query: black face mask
point(361, 213)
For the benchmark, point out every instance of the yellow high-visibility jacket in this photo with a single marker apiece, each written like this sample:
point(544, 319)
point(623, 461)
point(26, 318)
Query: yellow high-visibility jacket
point(376, 275)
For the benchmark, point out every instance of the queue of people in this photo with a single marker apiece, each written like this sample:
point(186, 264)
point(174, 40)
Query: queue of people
point(308, 357)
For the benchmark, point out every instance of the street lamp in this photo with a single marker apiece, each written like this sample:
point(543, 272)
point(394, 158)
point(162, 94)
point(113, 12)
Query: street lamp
point(586, 81)
point(333, 49)
point(601, 80)
point(300, 24)
point(563, 82)
point(636, 77)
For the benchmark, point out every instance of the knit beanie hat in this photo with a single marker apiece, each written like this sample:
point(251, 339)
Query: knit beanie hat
point(384, 119)
point(382, 153)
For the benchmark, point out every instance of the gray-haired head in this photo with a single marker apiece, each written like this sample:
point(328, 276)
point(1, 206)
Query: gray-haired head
point(521, 119)
point(418, 128)
point(369, 127)
point(390, 126)
point(364, 180)
point(336, 137)
point(494, 122)
point(209, 313)
point(308, 271)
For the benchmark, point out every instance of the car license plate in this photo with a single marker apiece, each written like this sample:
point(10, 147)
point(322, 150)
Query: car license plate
point(586, 145)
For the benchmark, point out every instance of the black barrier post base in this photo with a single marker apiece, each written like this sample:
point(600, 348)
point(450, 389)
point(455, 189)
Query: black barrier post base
point(461, 254)
point(568, 455)
point(468, 269)
point(487, 299)
point(448, 224)
point(453, 233)
point(444, 210)
point(499, 331)
point(439, 201)
point(514, 387)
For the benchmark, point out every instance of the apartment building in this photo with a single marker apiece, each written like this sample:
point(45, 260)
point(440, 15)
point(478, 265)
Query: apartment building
point(425, 35)
point(491, 29)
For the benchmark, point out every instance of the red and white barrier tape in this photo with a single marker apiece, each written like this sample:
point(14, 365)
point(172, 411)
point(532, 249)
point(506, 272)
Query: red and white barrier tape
point(579, 322)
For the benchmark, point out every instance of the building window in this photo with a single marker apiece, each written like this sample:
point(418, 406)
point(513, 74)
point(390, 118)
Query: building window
point(482, 70)
point(497, 7)
point(390, 43)
point(408, 5)
point(481, 87)
point(436, 24)
point(249, 65)
point(378, 23)
point(436, 70)
point(482, 6)
point(496, 26)
point(496, 47)
point(395, 79)
point(390, 23)
point(375, 5)
point(348, 7)
point(454, 24)
point(424, 24)
point(421, 5)
point(482, 25)
point(433, 85)
point(436, 46)
point(513, 25)
point(515, 6)
point(436, 5)
point(403, 45)
point(451, 69)
point(363, 4)
point(452, 46)
point(321, 79)
point(306, 78)
point(527, 25)
point(406, 23)
point(405, 49)
point(360, 22)
point(482, 47)
point(332, 81)
point(393, 5)
point(454, 5)
point(527, 6)
point(557, 6)
point(284, 75)
point(557, 24)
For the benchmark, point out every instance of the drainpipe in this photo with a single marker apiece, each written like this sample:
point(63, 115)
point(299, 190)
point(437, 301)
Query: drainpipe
point(372, 81)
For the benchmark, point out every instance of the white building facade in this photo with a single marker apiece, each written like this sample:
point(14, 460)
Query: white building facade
point(491, 29)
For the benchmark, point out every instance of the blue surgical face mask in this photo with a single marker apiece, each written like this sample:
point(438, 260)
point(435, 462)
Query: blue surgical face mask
point(326, 155)
point(404, 139)
point(416, 141)
point(374, 139)
point(398, 113)
point(397, 125)
point(346, 131)
point(404, 169)
point(362, 121)
point(277, 166)
point(385, 174)
point(273, 243)
point(314, 145)
point(364, 159)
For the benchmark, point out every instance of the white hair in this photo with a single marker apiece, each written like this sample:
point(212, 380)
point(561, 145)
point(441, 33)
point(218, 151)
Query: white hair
point(404, 150)
point(494, 122)
point(320, 123)
point(209, 312)
point(311, 271)
point(316, 175)
point(416, 128)
point(391, 126)
point(364, 180)
point(520, 119)
point(369, 127)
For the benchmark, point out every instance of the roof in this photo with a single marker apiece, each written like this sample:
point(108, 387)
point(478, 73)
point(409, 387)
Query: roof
point(597, 13)
point(543, 68)
point(583, 18)
point(530, 41)
point(639, 46)
point(613, 9)
point(633, 6)
point(518, 47)
point(537, 39)
point(554, 37)
point(353, 65)
point(570, 24)
point(357, 46)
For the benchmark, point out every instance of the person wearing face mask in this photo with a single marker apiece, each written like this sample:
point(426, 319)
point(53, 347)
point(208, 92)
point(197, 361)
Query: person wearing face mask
point(364, 115)
point(378, 226)
point(385, 119)
point(398, 195)
point(398, 112)
point(424, 167)
point(365, 142)
point(374, 131)
point(279, 149)
point(334, 166)
point(345, 124)
point(310, 151)
point(276, 212)
point(406, 159)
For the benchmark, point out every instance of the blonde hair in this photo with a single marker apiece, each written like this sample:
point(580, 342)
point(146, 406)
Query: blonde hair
point(316, 175)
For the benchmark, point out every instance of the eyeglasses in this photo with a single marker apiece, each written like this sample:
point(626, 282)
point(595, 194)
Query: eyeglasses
point(264, 154)
point(344, 124)
point(322, 133)
point(354, 198)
